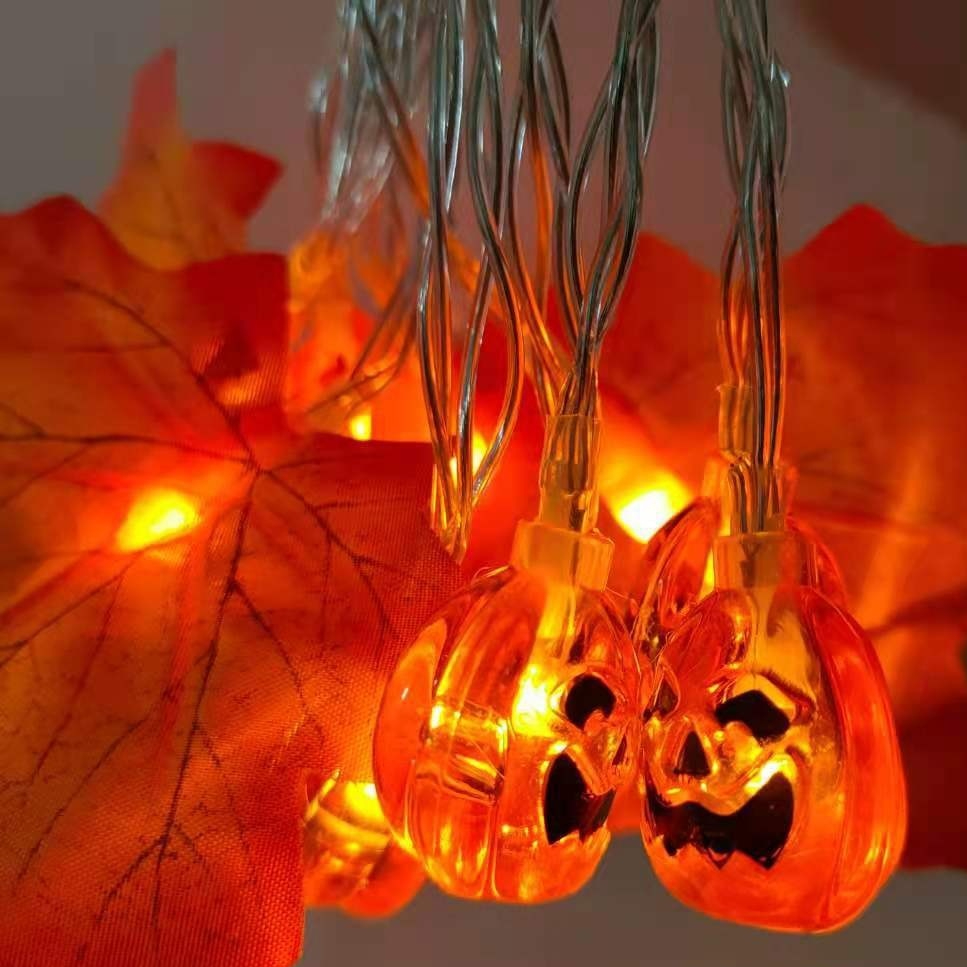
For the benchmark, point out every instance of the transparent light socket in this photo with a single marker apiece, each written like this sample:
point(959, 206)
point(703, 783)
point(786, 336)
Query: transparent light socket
point(561, 545)
point(562, 556)
point(764, 560)
point(755, 498)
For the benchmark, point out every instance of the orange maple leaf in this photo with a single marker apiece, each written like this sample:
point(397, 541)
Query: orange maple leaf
point(176, 201)
point(198, 604)
point(876, 389)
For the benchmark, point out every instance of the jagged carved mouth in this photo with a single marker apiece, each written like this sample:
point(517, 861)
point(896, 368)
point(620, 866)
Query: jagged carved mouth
point(759, 829)
point(569, 806)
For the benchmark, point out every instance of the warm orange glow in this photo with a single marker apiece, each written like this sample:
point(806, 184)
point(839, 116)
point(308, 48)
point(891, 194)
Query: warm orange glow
point(157, 517)
point(361, 425)
point(708, 575)
point(499, 774)
point(643, 510)
point(478, 449)
point(533, 704)
point(350, 858)
point(774, 791)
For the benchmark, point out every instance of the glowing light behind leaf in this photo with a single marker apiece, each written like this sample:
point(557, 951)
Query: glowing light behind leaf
point(361, 425)
point(157, 517)
point(478, 449)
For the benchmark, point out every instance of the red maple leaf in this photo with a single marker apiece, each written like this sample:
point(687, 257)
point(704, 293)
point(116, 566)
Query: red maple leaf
point(198, 604)
point(176, 201)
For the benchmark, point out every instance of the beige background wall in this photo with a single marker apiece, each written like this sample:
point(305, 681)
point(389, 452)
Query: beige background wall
point(879, 101)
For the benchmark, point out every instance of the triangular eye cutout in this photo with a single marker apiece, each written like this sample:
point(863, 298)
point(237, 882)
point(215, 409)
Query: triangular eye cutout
point(691, 759)
point(569, 806)
point(756, 712)
point(588, 695)
point(564, 799)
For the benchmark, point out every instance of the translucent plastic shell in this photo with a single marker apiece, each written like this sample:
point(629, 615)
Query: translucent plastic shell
point(504, 734)
point(350, 858)
point(770, 771)
point(672, 572)
point(675, 569)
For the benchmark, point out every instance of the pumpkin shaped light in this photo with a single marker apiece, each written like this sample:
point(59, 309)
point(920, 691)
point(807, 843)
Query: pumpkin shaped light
point(512, 721)
point(772, 783)
point(350, 858)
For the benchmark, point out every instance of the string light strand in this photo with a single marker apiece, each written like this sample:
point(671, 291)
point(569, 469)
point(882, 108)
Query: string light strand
point(755, 127)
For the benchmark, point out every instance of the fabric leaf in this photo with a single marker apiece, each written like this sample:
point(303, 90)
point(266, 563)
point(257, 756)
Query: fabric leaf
point(198, 604)
point(176, 201)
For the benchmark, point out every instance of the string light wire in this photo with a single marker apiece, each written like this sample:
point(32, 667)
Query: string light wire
point(394, 54)
point(751, 336)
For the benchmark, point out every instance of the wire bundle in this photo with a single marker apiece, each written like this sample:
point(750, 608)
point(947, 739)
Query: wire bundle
point(365, 112)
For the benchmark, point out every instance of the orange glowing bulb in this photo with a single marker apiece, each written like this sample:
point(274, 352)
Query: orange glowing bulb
point(645, 507)
point(350, 858)
point(708, 575)
point(157, 517)
point(510, 723)
point(361, 425)
point(478, 449)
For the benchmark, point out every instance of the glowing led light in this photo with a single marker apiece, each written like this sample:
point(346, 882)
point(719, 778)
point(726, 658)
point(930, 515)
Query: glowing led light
point(770, 769)
point(642, 513)
point(764, 775)
point(437, 716)
point(478, 449)
point(361, 425)
point(361, 801)
point(708, 577)
point(533, 703)
point(157, 517)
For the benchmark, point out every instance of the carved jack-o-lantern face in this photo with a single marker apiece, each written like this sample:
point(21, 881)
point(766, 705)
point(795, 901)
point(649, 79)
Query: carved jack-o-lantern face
point(504, 734)
point(773, 791)
point(717, 736)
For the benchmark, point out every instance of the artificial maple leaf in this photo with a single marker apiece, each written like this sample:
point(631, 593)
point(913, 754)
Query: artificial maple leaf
point(176, 201)
point(327, 330)
point(876, 357)
point(343, 285)
point(198, 605)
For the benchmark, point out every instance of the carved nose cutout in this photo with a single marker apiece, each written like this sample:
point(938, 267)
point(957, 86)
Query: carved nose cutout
point(588, 695)
point(756, 712)
point(691, 759)
point(620, 754)
point(569, 806)
point(663, 702)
